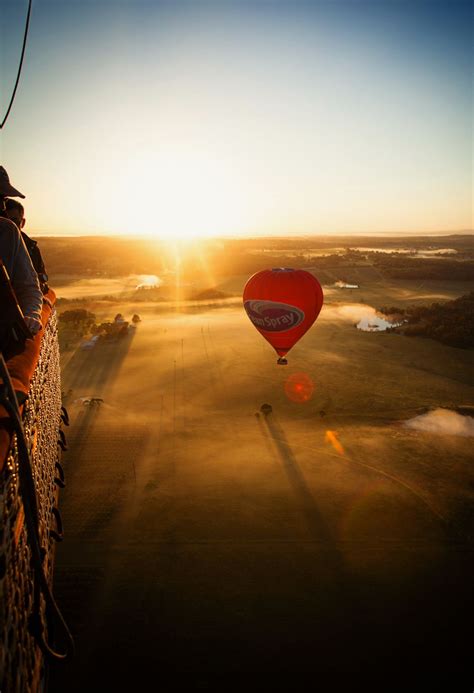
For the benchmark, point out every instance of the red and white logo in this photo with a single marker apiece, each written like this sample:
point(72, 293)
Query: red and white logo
point(273, 317)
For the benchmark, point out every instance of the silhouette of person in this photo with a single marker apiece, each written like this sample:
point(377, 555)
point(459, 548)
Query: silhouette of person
point(17, 261)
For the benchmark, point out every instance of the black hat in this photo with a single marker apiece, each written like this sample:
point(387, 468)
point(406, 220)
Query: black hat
point(6, 189)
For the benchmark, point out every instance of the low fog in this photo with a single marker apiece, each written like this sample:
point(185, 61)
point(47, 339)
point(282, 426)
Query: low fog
point(193, 384)
point(443, 422)
point(196, 517)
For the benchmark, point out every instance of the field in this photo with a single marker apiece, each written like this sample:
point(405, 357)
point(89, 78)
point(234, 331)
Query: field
point(205, 537)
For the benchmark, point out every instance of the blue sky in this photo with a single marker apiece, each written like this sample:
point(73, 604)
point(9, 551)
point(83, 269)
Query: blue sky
point(186, 119)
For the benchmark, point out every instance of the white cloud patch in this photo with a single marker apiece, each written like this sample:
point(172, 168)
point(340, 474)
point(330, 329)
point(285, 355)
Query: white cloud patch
point(443, 422)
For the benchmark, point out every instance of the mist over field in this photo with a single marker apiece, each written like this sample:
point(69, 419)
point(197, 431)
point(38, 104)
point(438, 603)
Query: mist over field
point(443, 422)
point(236, 503)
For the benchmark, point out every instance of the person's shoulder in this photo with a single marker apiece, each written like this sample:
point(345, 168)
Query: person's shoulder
point(30, 243)
point(9, 232)
point(7, 225)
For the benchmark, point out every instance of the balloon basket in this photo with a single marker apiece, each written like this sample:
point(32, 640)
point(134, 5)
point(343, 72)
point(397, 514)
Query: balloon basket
point(282, 361)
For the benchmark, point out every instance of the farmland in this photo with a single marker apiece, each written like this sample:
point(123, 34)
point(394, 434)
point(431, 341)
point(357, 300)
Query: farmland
point(206, 535)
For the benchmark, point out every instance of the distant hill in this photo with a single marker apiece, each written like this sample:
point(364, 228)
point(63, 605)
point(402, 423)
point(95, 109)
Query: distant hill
point(211, 293)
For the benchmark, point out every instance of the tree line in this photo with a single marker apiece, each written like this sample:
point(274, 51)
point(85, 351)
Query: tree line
point(450, 323)
point(400, 267)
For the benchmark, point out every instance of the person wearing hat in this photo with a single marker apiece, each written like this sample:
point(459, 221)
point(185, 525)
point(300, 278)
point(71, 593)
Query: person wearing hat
point(16, 259)
point(15, 211)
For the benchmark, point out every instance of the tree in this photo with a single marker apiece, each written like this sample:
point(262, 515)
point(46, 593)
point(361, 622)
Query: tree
point(78, 316)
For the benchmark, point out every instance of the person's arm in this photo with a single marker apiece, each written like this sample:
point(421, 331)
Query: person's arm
point(22, 274)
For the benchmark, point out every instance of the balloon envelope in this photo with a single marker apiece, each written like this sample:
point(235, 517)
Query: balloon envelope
point(283, 304)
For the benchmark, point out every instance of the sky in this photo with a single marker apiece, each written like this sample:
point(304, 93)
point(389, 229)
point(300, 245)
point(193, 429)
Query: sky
point(187, 119)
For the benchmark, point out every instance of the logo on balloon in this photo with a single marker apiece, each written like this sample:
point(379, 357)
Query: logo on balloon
point(272, 316)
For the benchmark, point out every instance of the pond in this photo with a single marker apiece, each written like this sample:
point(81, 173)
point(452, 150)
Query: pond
point(345, 285)
point(366, 318)
point(375, 323)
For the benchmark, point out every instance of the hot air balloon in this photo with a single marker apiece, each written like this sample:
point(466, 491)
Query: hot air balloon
point(283, 303)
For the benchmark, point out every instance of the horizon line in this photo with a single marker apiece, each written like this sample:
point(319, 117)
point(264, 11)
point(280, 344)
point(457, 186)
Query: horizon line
point(361, 234)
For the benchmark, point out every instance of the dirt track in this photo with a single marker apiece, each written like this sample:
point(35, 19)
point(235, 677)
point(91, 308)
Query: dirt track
point(203, 537)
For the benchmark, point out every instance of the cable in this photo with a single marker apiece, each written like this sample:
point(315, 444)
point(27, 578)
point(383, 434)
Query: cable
point(19, 66)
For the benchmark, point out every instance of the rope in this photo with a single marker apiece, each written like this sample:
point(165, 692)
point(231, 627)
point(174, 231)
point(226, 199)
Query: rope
point(19, 66)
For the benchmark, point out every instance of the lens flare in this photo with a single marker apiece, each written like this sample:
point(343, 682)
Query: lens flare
point(299, 387)
point(331, 437)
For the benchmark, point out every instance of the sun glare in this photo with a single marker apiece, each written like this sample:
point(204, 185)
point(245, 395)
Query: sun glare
point(176, 194)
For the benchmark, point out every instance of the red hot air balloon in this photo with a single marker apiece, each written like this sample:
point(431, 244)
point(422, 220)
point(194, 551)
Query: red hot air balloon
point(283, 304)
